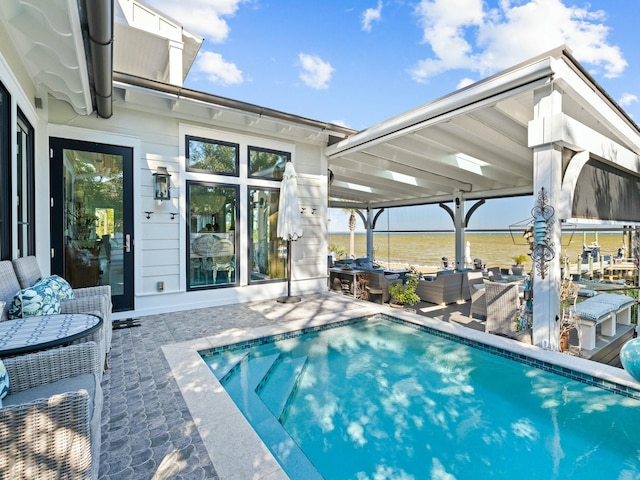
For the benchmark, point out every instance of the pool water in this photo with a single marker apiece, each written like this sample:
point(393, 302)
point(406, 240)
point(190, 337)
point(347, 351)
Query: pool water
point(381, 399)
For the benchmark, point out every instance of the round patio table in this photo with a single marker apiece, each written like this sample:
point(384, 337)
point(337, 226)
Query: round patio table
point(24, 335)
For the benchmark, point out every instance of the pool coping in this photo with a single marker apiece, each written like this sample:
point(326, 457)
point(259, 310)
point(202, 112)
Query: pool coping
point(237, 452)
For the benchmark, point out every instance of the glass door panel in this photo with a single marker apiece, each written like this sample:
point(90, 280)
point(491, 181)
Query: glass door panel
point(94, 208)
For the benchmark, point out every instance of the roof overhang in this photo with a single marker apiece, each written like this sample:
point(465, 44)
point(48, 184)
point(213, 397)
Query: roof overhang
point(66, 49)
point(143, 94)
point(474, 141)
point(48, 39)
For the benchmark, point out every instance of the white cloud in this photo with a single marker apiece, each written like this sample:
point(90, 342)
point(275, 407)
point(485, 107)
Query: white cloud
point(341, 123)
point(316, 73)
point(465, 82)
point(371, 15)
point(627, 99)
point(201, 16)
point(463, 34)
point(217, 70)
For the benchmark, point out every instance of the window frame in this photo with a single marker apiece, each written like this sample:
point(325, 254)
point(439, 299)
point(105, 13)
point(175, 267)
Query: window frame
point(236, 239)
point(6, 244)
point(250, 175)
point(25, 166)
point(250, 234)
point(189, 168)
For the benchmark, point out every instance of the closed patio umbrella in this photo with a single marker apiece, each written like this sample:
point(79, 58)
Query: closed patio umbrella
point(289, 221)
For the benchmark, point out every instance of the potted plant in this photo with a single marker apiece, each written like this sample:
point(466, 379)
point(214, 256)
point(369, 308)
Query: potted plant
point(518, 268)
point(404, 294)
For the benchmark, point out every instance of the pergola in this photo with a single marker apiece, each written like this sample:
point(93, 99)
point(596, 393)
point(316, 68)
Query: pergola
point(542, 128)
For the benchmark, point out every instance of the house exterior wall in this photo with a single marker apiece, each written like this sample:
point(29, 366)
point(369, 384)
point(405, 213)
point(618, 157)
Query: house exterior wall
point(160, 242)
point(155, 131)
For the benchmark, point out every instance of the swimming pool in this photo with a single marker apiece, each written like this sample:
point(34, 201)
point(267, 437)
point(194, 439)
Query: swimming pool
point(386, 398)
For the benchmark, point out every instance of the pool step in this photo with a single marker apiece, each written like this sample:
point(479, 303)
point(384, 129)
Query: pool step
point(224, 365)
point(250, 370)
point(280, 383)
point(242, 383)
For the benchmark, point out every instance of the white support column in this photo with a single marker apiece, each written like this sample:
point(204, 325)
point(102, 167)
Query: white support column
point(369, 225)
point(547, 173)
point(458, 220)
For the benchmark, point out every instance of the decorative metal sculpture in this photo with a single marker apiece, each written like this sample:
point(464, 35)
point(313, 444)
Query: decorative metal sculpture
point(543, 247)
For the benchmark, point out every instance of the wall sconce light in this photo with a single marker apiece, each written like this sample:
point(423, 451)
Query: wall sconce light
point(161, 184)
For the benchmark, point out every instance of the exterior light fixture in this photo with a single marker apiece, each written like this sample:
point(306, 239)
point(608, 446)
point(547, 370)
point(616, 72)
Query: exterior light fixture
point(161, 184)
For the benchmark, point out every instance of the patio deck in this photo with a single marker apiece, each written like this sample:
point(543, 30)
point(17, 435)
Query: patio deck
point(147, 429)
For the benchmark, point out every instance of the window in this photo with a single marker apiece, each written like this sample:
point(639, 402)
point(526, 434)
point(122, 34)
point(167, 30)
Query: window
point(5, 175)
point(212, 234)
point(211, 156)
point(267, 253)
point(26, 188)
point(265, 163)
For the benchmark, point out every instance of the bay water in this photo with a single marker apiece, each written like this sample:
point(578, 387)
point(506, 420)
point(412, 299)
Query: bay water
point(425, 250)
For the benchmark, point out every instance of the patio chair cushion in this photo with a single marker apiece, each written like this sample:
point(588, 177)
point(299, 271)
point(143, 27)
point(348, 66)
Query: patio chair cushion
point(34, 301)
point(85, 381)
point(4, 381)
point(59, 285)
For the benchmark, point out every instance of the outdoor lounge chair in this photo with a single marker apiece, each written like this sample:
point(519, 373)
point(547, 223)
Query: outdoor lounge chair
point(503, 309)
point(50, 418)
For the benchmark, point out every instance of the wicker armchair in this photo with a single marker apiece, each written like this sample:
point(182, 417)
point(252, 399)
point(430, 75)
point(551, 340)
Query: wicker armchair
point(88, 299)
point(378, 284)
point(503, 308)
point(50, 419)
point(477, 295)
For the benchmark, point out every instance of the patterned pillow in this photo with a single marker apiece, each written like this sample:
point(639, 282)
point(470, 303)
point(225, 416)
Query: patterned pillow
point(4, 382)
point(59, 285)
point(34, 301)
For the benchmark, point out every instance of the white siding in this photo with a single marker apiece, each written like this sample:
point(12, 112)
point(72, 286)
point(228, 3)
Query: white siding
point(158, 137)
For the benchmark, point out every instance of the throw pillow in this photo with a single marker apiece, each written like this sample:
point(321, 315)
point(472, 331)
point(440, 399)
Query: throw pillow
point(4, 382)
point(59, 285)
point(34, 301)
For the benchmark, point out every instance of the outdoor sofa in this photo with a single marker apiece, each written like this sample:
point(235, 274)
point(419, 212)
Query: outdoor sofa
point(444, 289)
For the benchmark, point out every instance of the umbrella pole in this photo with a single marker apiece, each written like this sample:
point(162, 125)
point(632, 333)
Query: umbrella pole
point(289, 298)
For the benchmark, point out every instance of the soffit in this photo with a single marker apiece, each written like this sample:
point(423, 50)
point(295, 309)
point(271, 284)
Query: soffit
point(474, 141)
point(48, 39)
point(146, 95)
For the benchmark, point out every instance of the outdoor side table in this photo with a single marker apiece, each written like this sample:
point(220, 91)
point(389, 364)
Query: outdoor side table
point(24, 335)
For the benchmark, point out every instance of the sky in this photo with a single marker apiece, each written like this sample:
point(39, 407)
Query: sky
point(358, 63)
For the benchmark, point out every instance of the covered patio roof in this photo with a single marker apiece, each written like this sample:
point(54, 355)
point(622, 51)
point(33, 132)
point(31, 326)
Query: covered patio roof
point(474, 142)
